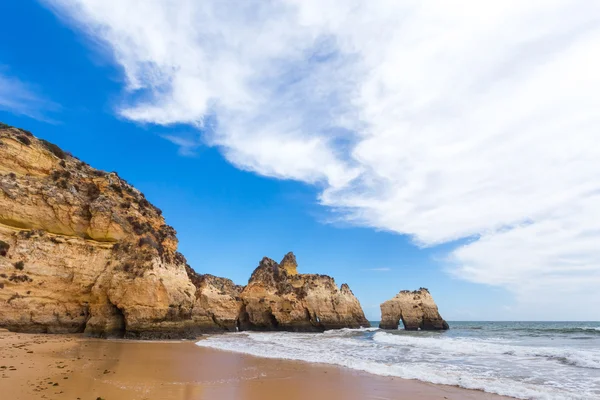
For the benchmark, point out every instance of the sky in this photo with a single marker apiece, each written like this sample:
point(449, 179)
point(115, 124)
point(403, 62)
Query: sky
point(390, 144)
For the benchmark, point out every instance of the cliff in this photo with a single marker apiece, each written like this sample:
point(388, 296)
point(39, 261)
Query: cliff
point(416, 309)
point(85, 251)
point(81, 250)
point(278, 298)
point(218, 303)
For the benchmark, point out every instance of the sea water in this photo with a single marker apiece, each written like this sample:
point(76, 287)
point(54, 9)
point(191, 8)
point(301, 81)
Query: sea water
point(527, 360)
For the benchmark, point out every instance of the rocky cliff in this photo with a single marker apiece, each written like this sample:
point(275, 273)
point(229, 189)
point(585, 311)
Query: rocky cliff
point(278, 298)
point(218, 303)
point(85, 251)
point(416, 309)
point(81, 250)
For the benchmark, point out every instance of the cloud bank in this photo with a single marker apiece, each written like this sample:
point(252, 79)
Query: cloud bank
point(439, 120)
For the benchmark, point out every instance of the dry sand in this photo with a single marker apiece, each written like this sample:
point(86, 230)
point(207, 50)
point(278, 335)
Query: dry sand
point(74, 367)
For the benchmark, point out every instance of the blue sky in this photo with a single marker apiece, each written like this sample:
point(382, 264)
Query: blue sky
point(251, 146)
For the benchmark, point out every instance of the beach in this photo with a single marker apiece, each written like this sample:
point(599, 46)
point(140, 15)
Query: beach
point(38, 366)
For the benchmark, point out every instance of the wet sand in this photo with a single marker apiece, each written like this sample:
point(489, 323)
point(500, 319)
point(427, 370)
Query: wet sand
point(74, 367)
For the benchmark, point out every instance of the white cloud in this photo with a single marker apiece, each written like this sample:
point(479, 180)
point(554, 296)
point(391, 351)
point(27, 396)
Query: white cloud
point(187, 145)
point(440, 120)
point(19, 97)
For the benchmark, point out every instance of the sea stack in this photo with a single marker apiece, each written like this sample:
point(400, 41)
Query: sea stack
point(416, 309)
point(277, 297)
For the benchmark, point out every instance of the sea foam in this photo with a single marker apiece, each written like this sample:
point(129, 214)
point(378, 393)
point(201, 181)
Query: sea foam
point(502, 365)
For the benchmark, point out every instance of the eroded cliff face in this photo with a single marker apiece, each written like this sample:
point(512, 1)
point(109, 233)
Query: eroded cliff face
point(416, 309)
point(84, 250)
point(81, 250)
point(278, 298)
point(218, 303)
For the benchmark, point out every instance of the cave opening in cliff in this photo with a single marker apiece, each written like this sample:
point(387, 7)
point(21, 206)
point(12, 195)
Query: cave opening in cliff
point(119, 323)
point(273, 320)
point(242, 323)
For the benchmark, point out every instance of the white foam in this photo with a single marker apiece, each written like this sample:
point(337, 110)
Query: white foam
point(474, 347)
point(590, 328)
point(518, 371)
point(344, 331)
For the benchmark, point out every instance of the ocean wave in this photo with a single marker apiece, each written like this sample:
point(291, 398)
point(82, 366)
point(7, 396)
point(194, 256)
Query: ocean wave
point(561, 331)
point(461, 346)
point(537, 330)
point(422, 358)
point(349, 331)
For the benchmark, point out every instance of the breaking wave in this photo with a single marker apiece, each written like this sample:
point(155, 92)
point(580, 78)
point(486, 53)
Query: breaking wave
point(486, 359)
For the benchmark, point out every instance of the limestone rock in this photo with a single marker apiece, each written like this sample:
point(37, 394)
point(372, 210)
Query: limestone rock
point(278, 298)
point(416, 309)
point(289, 264)
point(81, 250)
point(84, 250)
point(218, 303)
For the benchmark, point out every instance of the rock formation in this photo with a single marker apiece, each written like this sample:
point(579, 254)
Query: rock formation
point(416, 309)
point(85, 251)
point(278, 298)
point(81, 250)
point(218, 303)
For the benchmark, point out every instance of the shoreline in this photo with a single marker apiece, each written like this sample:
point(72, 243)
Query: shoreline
point(74, 366)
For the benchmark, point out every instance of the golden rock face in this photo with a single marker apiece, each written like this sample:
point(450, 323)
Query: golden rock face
point(81, 250)
point(276, 299)
point(96, 256)
point(23, 155)
point(416, 309)
point(289, 264)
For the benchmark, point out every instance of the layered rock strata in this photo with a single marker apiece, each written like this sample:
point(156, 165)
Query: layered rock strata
point(218, 303)
point(416, 309)
point(85, 251)
point(81, 250)
point(278, 298)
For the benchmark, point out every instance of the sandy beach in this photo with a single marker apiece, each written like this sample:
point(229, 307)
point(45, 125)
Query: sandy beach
point(74, 367)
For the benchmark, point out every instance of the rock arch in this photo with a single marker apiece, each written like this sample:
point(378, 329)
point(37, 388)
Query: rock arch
point(416, 309)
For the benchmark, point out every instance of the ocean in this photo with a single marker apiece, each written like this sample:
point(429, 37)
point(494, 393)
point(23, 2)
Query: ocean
point(527, 360)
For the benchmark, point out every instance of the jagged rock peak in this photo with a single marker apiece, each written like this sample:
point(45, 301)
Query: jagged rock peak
point(346, 289)
point(278, 298)
point(267, 271)
point(416, 309)
point(289, 264)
